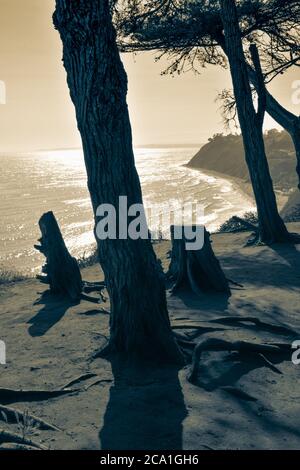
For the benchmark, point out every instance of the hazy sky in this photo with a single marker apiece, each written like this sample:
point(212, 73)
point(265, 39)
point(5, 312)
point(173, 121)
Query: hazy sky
point(39, 114)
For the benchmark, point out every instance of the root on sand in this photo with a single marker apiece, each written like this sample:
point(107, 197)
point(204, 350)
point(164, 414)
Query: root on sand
point(7, 437)
point(216, 344)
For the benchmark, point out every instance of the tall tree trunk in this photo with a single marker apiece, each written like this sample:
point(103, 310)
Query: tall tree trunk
point(271, 226)
point(97, 81)
point(286, 119)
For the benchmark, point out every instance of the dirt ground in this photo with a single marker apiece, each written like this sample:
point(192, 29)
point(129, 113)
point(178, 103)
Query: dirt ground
point(50, 343)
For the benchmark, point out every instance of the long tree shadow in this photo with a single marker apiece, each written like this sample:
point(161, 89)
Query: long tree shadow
point(145, 410)
point(291, 254)
point(281, 427)
point(280, 271)
point(54, 308)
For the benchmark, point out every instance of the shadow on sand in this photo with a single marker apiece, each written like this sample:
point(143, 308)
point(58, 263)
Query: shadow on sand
point(54, 308)
point(279, 271)
point(145, 410)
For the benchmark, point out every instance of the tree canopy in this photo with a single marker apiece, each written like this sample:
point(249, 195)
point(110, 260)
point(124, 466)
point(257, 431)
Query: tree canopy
point(191, 34)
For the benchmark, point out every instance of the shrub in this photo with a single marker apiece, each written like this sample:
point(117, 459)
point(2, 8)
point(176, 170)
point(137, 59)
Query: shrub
point(232, 225)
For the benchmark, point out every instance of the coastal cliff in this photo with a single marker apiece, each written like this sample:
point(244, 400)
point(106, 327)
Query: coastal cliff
point(224, 154)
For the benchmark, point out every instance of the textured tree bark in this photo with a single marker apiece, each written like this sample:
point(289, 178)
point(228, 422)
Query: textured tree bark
point(61, 270)
point(98, 86)
point(271, 226)
point(197, 270)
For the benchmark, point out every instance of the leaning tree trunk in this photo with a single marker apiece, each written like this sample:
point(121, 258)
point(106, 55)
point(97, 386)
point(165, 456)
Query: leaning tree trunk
point(271, 226)
point(98, 86)
point(289, 121)
point(285, 118)
point(197, 270)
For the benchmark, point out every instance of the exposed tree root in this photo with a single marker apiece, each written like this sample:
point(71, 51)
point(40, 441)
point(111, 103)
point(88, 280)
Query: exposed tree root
point(267, 326)
point(94, 312)
point(10, 437)
point(292, 238)
point(269, 364)
point(97, 382)
point(216, 344)
point(79, 379)
point(12, 396)
point(207, 447)
point(284, 347)
point(14, 415)
point(238, 393)
point(185, 343)
point(235, 283)
point(13, 447)
point(89, 298)
point(104, 352)
point(89, 287)
point(236, 321)
point(195, 326)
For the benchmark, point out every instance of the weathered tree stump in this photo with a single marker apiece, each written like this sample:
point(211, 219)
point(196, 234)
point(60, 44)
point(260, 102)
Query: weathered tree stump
point(61, 270)
point(198, 270)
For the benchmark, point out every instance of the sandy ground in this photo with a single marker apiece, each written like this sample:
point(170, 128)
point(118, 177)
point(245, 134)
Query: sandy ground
point(50, 343)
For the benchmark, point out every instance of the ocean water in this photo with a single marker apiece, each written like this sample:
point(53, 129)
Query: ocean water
point(34, 183)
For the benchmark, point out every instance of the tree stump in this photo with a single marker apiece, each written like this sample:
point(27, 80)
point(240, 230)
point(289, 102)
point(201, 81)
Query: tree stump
point(198, 270)
point(61, 270)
